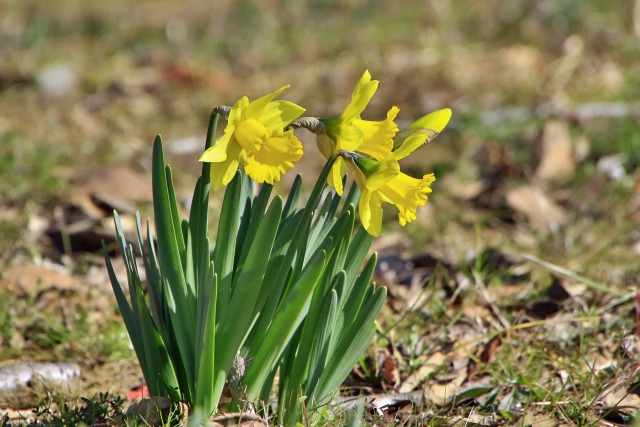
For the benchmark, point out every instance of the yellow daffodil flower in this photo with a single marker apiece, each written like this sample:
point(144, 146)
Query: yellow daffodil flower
point(255, 137)
point(382, 181)
point(350, 132)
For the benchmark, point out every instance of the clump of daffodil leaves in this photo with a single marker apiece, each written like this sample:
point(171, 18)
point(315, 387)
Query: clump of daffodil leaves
point(281, 305)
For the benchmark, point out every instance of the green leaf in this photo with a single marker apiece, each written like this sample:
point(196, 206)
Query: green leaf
point(207, 397)
point(175, 216)
point(146, 340)
point(352, 197)
point(162, 377)
point(292, 199)
point(258, 210)
point(289, 315)
point(168, 232)
point(358, 251)
point(235, 325)
point(154, 285)
point(352, 344)
point(223, 254)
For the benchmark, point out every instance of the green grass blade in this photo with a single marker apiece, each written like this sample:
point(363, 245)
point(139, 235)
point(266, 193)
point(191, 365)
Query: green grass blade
point(320, 347)
point(572, 275)
point(272, 291)
point(311, 355)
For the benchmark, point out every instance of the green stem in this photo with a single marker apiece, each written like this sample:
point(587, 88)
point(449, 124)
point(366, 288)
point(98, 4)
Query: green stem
point(320, 184)
point(206, 166)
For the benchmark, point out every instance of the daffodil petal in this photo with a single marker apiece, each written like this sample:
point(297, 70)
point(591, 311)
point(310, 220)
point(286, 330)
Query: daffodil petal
point(235, 114)
point(335, 176)
point(222, 173)
point(364, 209)
point(274, 158)
point(347, 136)
point(377, 137)
point(436, 121)
point(420, 132)
point(218, 151)
point(254, 109)
point(411, 143)
point(326, 145)
point(278, 114)
point(407, 193)
point(370, 210)
point(362, 94)
point(386, 171)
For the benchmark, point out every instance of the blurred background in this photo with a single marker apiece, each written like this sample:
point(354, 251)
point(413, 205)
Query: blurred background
point(543, 84)
point(541, 155)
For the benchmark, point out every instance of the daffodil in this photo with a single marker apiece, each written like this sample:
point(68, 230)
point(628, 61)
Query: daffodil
point(255, 137)
point(351, 133)
point(382, 181)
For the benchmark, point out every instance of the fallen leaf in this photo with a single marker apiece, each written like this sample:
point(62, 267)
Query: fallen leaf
point(622, 397)
point(498, 293)
point(539, 419)
point(487, 355)
point(33, 279)
point(387, 367)
point(114, 186)
point(58, 79)
point(557, 163)
point(444, 371)
point(422, 374)
point(542, 212)
point(442, 393)
point(244, 419)
point(462, 189)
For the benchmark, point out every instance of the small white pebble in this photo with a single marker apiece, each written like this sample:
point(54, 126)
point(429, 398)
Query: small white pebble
point(57, 79)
